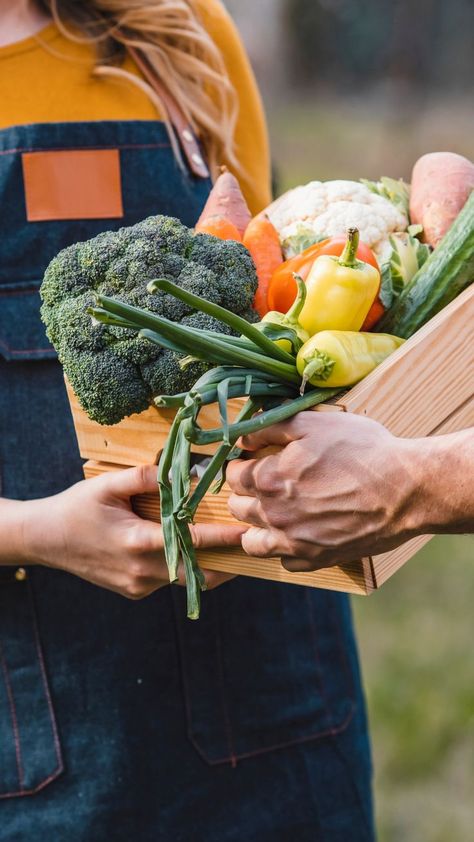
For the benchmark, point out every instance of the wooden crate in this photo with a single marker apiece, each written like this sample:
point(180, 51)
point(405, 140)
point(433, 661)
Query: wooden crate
point(424, 388)
point(138, 439)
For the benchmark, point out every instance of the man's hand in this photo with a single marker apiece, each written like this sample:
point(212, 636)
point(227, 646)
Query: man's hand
point(343, 487)
point(90, 530)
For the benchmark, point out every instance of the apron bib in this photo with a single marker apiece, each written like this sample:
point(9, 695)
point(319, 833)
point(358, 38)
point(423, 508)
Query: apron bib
point(138, 715)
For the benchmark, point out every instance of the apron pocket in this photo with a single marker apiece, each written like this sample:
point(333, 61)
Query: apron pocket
point(29, 745)
point(22, 333)
point(265, 667)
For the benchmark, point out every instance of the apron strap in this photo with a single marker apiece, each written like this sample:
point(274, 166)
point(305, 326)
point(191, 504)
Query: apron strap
point(186, 136)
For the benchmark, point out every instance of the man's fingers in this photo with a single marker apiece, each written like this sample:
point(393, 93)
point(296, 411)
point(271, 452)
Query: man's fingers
point(240, 476)
point(216, 535)
point(273, 543)
point(277, 434)
point(321, 557)
point(247, 510)
point(251, 477)
point(262, 543)
point(300, 565)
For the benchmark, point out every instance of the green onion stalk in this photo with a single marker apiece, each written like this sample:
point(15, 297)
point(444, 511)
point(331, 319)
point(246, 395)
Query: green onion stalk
point(249, 366)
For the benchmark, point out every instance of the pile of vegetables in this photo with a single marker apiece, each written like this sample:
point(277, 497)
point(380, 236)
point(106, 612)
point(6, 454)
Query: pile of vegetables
point(296, 356)
point(400, 224)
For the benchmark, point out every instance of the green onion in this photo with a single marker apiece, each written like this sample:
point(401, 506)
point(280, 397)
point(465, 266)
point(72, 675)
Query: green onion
point(265, 419)
point(170, 537)
point(237, 323)
point(189, 510)
point(210, 350)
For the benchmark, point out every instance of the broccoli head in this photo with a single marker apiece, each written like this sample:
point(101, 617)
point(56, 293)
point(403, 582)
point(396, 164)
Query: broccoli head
point(113, 371)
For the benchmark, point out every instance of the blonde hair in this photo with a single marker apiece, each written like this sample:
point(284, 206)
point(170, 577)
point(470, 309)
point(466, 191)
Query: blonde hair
point(171, 35)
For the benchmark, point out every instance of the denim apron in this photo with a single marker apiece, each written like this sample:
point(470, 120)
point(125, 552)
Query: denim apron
point(122, 720)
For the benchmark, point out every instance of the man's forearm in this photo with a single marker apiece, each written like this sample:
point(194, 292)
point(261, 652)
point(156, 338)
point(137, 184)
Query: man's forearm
point(446, 465)
point(343, 487)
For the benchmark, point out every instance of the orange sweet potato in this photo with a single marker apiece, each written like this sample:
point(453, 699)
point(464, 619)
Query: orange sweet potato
point(219, 227)
point(226, 200)
point(440, 186)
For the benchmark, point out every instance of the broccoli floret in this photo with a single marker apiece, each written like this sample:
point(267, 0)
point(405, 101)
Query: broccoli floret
point(113, 371)
point(108, 386)
point(205, 322)
point(166, 377)
point(250, 315)
point(64, 278)
point(232, 264)
point(83, 333)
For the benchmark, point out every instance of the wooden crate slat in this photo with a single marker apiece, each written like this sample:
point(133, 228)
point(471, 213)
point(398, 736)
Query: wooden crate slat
point(352, 578)
point(411, 393)
point(460, 419)
point(347, 579)
point(138, 439)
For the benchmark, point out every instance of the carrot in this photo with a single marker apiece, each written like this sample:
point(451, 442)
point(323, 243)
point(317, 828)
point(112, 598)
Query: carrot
point(220, 227)
point(226, 200)
point(374, 315)
point(440, 186)
point(262, 240)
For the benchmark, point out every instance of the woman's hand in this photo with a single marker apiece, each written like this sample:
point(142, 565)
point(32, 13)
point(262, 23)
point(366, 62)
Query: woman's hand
point(91, 531)
point(343, 487)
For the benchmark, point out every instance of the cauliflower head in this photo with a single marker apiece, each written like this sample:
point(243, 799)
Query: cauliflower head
point(328, 208)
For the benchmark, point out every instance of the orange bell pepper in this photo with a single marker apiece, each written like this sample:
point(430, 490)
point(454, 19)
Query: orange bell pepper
point(282, 289)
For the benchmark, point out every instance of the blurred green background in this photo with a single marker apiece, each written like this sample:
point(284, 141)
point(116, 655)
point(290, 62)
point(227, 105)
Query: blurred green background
point(416, 648)
point(361, 88)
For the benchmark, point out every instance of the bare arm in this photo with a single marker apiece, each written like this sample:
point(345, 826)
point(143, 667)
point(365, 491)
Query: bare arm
point(343, 487)
point(90, 530)
point(11, 532)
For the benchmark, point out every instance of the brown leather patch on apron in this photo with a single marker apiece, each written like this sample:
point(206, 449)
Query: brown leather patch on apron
point(72, 184)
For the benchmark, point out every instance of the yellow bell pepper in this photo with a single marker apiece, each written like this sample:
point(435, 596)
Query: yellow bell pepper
point(339, 290)
point(343, 357)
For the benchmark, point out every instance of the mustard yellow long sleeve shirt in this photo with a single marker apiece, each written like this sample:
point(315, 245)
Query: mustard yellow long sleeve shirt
point(48, 78)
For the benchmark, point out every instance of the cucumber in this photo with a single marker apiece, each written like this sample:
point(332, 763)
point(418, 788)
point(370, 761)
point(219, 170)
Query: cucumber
point(448, 270)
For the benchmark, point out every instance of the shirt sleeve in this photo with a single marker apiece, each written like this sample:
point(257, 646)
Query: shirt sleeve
point(251, 135)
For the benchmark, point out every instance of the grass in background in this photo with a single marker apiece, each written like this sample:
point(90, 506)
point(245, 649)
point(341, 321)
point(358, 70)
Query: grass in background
point(415, 638)
point(416, 634)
